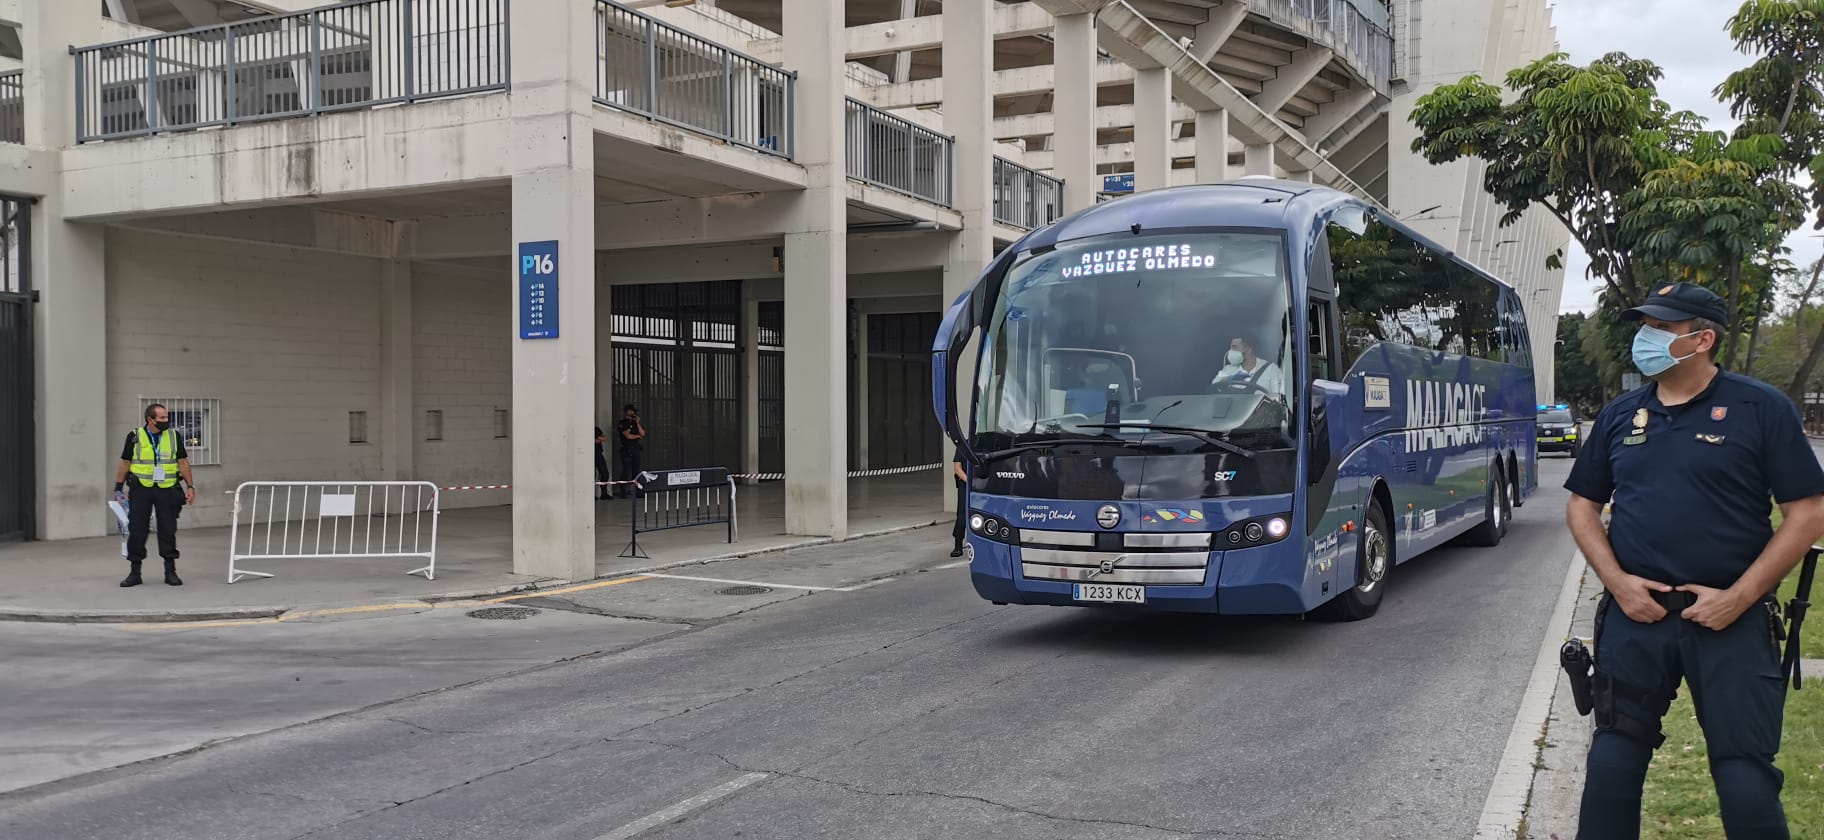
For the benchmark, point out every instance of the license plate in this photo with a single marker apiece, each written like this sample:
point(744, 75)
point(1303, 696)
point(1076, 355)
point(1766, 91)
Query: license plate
point(1551, 440)
point(1109, 594)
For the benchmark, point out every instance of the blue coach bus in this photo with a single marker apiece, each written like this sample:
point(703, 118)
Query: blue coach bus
point(1254, 397)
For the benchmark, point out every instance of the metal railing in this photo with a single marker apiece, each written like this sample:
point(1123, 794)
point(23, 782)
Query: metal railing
point(1364, 44)
point(333, 520)
point(12, 106)
point(896, 154)
point(1024, 197)
point(657, 70)
point(353, 55)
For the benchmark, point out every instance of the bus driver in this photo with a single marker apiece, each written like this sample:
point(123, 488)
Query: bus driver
point(1243, 366)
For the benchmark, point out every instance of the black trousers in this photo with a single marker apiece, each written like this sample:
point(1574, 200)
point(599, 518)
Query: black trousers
point(630, 467)
point(1734, 678)
point(962, 514)
point(601, 473)
point(143, 502)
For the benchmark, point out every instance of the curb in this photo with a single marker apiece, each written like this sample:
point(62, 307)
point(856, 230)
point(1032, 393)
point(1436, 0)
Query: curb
point(178, 616)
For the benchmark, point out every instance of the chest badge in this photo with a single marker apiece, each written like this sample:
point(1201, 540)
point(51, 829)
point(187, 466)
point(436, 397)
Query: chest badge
point(1719, 412)
point(1634, 440)
point(1713, 440)
point(1640, 421)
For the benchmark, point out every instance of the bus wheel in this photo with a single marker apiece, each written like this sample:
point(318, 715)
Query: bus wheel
point(1499, 510)
point(1373, 561)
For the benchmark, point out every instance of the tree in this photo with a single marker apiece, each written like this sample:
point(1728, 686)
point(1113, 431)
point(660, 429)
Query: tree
point(1712, 210)
point(1781, 95)
point(1578, 380)
point(1577, 141)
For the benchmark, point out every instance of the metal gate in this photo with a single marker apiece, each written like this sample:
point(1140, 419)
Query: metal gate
point(676, 358)
point(902, 431)
point(18, 463)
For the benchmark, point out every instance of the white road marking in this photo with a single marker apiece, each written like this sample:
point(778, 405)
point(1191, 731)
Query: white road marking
point(1513, 782)
point(647, 823)
point(957, 564)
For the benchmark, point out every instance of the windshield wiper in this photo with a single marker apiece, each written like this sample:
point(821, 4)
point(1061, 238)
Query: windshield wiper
point(1038, 444)
point(1208, 437)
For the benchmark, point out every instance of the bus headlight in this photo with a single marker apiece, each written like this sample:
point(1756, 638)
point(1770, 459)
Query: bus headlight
point(1248, 533)
point(975, 523)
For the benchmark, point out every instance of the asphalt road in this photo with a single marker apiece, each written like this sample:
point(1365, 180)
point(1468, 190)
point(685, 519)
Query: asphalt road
point(906, 709)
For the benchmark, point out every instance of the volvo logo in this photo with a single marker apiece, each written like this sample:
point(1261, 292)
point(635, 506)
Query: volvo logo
point(1108, 567)
point(1109, 516)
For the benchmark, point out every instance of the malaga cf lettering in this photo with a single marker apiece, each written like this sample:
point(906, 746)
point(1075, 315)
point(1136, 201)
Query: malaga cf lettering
point(1443, 415)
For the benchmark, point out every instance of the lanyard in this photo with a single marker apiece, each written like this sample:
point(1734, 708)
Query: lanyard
point(155, 442)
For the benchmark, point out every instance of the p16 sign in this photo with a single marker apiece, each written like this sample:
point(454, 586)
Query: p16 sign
point(538, 289)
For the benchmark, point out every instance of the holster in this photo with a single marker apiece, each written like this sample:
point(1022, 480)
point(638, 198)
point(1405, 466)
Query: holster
point(1604, 689)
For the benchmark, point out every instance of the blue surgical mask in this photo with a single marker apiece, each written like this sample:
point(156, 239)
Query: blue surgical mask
point(1653, 350)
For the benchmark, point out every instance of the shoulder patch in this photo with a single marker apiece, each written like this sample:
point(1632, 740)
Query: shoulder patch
point(1719, 412)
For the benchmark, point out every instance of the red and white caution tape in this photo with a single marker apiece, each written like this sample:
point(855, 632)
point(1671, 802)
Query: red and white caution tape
point(738, 476)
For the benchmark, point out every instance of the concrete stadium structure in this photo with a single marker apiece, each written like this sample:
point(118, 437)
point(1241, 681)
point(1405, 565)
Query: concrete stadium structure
point(304, 224)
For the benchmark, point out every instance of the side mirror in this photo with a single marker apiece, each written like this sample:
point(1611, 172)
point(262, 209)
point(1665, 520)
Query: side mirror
point(1324, 410)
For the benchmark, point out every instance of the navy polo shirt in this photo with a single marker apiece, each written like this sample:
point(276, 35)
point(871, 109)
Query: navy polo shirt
point(1693, 486)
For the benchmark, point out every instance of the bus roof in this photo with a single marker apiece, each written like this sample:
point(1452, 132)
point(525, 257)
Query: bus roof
point(1249, 202)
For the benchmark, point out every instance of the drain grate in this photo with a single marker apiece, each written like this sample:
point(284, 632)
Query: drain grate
point(744, 590)
point(503, 613)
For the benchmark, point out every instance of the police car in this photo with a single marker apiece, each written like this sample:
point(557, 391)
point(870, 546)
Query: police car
point(1559, 429)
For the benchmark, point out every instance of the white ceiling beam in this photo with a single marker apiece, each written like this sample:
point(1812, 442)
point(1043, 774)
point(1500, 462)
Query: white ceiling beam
point(1108, 118)
point(1292, 78)
point(1018, 20)
point(1337, 112)
point(1019, 81)
point(1117, 153)
point(197, 12)
point(1214, 32)
point(1129, 36)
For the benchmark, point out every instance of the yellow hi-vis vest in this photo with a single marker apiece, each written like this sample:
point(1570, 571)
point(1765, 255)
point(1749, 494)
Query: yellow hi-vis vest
point(147, 458)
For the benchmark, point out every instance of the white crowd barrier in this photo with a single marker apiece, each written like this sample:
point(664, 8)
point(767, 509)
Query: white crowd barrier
point(276, 520)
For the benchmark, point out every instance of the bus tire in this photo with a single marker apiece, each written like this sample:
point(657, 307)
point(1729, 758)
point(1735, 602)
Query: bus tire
point(1498, 510)
point(1373, 561)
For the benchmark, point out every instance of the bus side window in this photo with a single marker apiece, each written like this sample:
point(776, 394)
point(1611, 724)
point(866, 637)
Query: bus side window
point(1319, 351)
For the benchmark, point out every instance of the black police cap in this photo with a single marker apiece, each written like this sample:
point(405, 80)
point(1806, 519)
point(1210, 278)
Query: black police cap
point(1680, 302)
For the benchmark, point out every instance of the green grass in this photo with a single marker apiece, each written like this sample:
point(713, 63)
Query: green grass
point(1680, 798)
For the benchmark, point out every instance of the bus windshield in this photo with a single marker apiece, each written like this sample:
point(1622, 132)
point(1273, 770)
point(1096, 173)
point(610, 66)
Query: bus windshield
point(1116, 336)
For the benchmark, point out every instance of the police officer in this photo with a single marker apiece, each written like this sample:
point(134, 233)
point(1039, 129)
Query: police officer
point(155, 459)
point(1689, 563)
point(601, 465)
point(631, 434)
point(961, 476)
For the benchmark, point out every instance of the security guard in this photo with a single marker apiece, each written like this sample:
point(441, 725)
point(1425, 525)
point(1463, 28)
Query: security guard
point(1689, 563)
point(961, 476)
point(631, 433)
point(155, 457)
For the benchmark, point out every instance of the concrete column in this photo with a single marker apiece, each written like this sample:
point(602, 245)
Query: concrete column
point(1258, 159)
point(969, 54)
point(750, 379)
point(816, 279)
point(397, 411)
point(1212, 146)
point(1073, 106)
point(1152, 128)
point(553, 160)
point(77, 443)
point(864, 459)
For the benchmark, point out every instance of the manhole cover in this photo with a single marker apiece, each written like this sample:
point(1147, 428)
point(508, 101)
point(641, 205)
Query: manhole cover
point(503, 613)
point(743, 590)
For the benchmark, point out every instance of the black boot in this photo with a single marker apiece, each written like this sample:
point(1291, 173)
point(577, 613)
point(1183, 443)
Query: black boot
point(171, 578)
point(132, 578)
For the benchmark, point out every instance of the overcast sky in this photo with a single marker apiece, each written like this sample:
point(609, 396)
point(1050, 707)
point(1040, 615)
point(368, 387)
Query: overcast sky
point(1690, 41)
